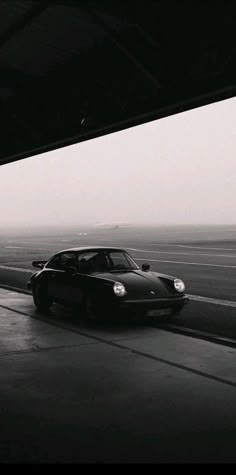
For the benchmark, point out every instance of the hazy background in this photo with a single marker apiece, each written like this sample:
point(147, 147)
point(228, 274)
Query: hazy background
point(178, 170)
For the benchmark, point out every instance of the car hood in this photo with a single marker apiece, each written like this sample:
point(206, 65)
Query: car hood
point(142, 284)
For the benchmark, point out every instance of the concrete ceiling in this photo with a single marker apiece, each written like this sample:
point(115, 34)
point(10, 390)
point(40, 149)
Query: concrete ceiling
point(74, 70)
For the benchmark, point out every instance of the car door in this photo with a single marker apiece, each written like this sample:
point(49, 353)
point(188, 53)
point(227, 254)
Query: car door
point(53, 276)
point(63, 285)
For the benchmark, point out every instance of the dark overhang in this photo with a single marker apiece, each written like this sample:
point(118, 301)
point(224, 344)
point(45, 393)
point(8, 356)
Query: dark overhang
point(74, 70)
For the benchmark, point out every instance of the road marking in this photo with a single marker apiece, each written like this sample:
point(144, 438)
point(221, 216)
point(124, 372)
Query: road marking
point(225, 303)
point(27, 248)
point(14, 247)
point(203, 247)
point(18, 269)
point(183, 253)
point(185, 263)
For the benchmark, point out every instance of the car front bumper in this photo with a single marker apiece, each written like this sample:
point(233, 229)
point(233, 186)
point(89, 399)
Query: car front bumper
point(144, 305)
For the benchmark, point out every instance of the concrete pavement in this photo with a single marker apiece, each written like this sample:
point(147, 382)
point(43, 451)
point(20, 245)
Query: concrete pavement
point(71, 393)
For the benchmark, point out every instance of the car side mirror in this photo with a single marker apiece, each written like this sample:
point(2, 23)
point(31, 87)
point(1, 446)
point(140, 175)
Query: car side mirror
point(145, 267)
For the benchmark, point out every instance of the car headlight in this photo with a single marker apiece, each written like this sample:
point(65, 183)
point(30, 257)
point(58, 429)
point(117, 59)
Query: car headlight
point(119, 289)
point(179, 285)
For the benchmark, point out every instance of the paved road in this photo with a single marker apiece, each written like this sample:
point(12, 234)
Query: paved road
point(208, 269)
point(74, 393)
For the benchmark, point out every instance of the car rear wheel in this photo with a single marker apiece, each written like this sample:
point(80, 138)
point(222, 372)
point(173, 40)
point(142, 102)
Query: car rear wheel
point(40, 298)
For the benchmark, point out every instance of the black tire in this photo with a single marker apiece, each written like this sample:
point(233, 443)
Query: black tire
point(41, 300)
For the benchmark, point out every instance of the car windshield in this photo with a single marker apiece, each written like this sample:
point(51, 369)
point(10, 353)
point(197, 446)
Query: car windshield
point(120, 260)
point(105, 261)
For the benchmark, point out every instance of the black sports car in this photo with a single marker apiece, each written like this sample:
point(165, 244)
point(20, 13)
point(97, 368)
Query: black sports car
point(104, 281)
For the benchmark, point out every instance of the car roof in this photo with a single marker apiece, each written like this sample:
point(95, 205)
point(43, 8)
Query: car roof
point(91, 248)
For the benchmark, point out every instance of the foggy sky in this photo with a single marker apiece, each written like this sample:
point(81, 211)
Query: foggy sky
point(177, 170)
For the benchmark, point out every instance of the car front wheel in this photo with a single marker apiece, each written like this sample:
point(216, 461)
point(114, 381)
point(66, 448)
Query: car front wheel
point(40, 298)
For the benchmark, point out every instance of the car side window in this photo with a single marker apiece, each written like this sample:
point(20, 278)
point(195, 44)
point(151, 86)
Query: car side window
point(67, 260)
point(89, 262)
point(54, 263)
point(85, 260)
point(86, 256)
